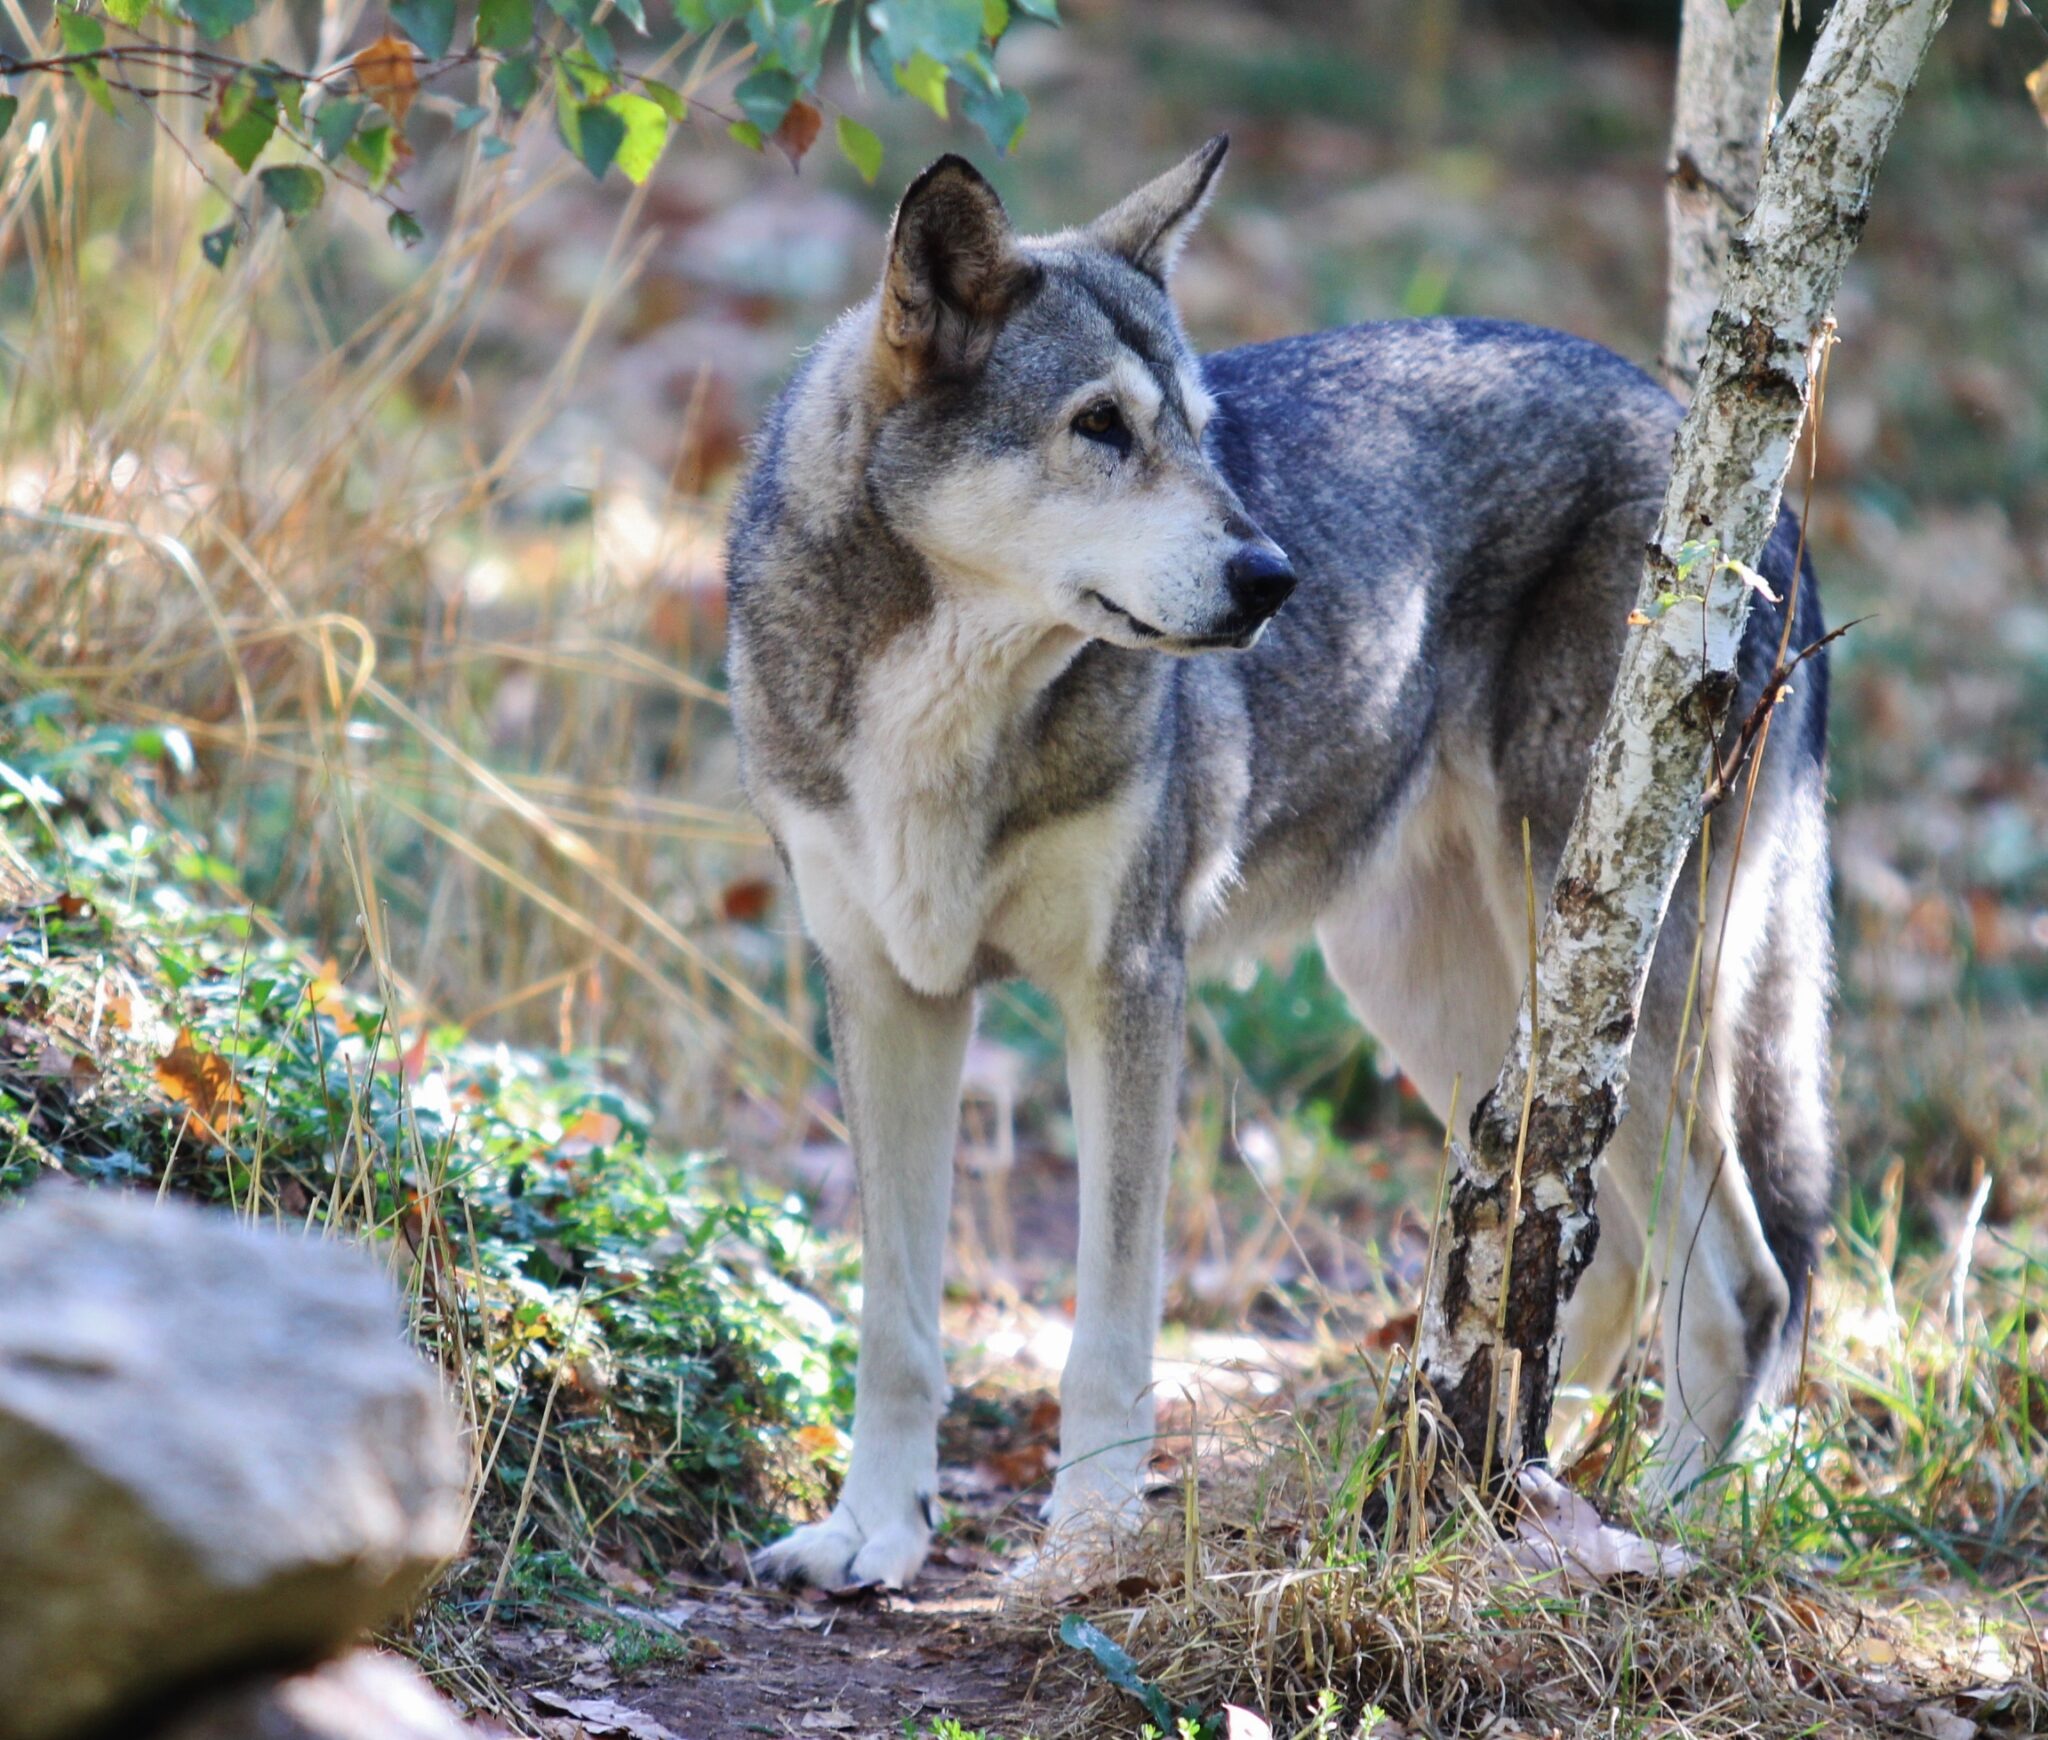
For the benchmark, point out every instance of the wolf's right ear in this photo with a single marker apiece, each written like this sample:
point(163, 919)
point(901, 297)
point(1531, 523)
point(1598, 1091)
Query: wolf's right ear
point(954, 272)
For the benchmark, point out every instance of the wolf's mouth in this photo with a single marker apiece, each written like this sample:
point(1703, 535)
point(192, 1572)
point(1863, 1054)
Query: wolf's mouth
point(1136, 624)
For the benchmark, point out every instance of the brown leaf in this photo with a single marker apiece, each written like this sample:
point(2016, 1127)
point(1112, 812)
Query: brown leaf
point(1999, 8)
point(385, 74)
point(2037, 88)
point(746, 902)
point(203, 1082)
point(798, 131)
point(1397, 1331)
point(1025, 1466)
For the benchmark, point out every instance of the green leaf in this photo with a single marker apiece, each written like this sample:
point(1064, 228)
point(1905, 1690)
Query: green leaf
point(995, 18)
point(8, 106)
point(668, 99)
point(1000, 114)
point(924, 78)
point(294, 188)
point(216, 243)
point(243, 122)
point(646, 133)
point(334, 125)
point(84, 34)
point(1048, 10)
point(599, 134)
point(291, 95)
point(747, 134)
point(515, 81)
point(215, 18)
point(860, 147)
point(469, 115)
point(635, 12)
point(375, 150)
point(1119, 1669)
point(404, 229)
point(588, 73)
point(941, 29)
point(504, 25)
point(128, 12)
point(429, 23)
point(494, 148)
point(764, 98)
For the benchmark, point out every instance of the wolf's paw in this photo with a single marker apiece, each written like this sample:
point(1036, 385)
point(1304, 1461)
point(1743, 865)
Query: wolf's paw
point(835, 1554)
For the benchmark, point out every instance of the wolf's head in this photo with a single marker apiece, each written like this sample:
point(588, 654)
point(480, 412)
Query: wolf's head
point(1040, 414)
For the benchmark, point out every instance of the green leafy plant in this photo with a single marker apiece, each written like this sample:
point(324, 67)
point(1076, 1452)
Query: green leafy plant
point(295, 128)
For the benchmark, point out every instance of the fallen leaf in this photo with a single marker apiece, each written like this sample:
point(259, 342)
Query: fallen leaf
point(1026, 1465)
point(1938, 1723)
point(833, 1721)
point(606, 1717)
point(1397, 1331)
point(1561, 1538)
point(590, 1130)
point(203, 1082)
point(385, 74)
point(819, 1442)
point(1242, 1724)
point(746, 901)
point(798, 131)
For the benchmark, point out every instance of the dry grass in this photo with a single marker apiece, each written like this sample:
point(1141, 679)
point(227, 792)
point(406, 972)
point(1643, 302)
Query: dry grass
point(248, 505)
point(1871, 1567)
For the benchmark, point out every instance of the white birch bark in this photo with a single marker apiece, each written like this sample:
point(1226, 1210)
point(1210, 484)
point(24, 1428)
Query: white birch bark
point(1641, 807)
point(1720, 121)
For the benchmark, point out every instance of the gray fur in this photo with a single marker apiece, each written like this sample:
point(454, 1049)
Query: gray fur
point(1465, 504)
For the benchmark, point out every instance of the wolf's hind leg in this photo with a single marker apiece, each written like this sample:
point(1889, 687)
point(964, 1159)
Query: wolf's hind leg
point(900, 1057)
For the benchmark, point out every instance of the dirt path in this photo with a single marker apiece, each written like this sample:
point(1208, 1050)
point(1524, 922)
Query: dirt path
point(861, 1668)
point(741, 1662)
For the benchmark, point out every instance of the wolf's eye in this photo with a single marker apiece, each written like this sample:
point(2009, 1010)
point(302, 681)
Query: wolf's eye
point(1103, 422)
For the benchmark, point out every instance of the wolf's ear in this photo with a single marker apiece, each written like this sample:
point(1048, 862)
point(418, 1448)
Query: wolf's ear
point(954, 272)
point(1150, 227)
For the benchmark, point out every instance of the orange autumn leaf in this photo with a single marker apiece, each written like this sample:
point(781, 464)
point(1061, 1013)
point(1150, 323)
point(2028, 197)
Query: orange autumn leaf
point(819, 1442)
point(201, 1081)
point(798, 131)
point(588, 1131)
point(385, 74)
point(324, 993)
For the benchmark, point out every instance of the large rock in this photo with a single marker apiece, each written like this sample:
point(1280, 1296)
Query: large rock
point(216, 1450)
point(363, 1697)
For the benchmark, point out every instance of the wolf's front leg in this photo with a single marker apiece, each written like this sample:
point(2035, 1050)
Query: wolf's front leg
point(1124, 1044)
point(899, 1056)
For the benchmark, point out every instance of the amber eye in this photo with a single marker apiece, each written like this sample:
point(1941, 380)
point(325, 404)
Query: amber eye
point(1103, 422)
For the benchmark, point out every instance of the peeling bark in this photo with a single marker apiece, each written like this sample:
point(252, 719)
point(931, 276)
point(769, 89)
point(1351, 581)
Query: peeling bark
point(1497, 1290)
point(1721, 118)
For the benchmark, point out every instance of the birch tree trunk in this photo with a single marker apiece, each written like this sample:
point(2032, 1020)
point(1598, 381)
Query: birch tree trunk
point(1721, 119)
point(1519, 1234)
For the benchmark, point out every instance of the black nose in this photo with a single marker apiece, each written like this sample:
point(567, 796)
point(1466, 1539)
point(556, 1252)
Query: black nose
point(1259, 580)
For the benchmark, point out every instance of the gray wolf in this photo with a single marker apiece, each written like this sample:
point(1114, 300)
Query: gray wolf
point(1061, 651)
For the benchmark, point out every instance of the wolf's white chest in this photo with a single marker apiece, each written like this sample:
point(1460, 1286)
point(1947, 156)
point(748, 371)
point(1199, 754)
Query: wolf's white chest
point(904, 868)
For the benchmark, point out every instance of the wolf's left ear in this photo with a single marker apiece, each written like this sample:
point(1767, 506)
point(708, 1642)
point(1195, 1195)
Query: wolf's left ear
point(1150, 227)
point(954, 272)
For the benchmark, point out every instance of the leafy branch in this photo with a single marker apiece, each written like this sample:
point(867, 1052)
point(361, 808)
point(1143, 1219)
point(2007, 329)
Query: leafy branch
point(297, 130)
